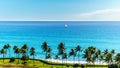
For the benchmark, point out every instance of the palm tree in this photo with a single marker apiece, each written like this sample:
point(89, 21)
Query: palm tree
point(48, 50)
point(14, 48)
point(3, 52)
point(25, 58)
point(24, 50)
point(72, 53)
point(48, 53)
point(97, 54)
point(57, 57)
point(108, 58)
point(61, 49)
point(25, 46)
point(112, 52)
point(78, 49)
point(101, 58)
point(93, 59)
point(105, 52)
point(64, 56)
point(44, 46)
point(32, 53)
point(8, 47)
point(5, 48)
point(48, 56)
point(89, 54)
point(117, 58)
point(93, 56)
point(17, 51)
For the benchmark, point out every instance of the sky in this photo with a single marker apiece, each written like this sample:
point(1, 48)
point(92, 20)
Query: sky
point(59, 10)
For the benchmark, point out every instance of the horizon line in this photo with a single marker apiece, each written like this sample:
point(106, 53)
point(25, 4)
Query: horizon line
point(64, 20)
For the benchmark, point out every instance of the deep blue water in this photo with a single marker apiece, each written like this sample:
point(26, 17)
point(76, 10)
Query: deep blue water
point(103, 35)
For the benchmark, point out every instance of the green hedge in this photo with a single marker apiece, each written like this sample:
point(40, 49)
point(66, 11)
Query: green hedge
point(114, 66)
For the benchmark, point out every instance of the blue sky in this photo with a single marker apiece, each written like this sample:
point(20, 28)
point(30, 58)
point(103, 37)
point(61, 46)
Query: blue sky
point(40, 10)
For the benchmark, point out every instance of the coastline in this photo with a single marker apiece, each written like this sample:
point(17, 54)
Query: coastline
point(74, 62)
point(38, 63)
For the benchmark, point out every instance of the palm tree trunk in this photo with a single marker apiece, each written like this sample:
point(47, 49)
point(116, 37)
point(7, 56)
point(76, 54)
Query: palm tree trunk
point(9, 53)
point(46, 53)
point(57, 60)
point(5, 55)
point(33, 60)
point(18, 58)
point(66, 61)
point(3, 58)
point(74, 60)
point(62, 63)
point(79, 58)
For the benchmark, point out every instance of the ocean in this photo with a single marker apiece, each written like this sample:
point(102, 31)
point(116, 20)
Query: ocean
point(101, 34)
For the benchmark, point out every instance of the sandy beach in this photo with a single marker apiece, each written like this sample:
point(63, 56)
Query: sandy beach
point(75, 62)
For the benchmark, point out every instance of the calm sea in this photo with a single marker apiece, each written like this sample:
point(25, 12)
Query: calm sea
point(102, 35)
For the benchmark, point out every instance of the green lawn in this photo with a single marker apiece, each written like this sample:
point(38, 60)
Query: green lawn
point(42, 64)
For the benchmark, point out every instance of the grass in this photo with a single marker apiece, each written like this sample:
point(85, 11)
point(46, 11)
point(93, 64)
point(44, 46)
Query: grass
point(42, 64)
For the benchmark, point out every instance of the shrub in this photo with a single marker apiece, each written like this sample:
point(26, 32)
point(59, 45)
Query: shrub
point(25, 58)
point(12, 59)
point(82, 66)
point(75, 65)
point(113, 66)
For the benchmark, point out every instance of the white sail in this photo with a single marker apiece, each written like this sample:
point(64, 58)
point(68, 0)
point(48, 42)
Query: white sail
point(66, 25)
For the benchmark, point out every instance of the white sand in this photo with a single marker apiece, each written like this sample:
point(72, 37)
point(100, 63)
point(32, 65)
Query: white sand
point(75, 62)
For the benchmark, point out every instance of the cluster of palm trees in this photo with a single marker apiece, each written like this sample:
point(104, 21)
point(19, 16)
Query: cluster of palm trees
point(21, 53)
point(91, 54)
point(4, 49)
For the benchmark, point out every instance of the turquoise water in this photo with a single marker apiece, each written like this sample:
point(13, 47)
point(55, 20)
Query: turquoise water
point(99, 34)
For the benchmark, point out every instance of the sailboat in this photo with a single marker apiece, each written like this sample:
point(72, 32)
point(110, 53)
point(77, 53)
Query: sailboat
point(66, 25)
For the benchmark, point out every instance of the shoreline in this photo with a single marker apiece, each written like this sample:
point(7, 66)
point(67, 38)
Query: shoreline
point(68, 61)
point(74, 62)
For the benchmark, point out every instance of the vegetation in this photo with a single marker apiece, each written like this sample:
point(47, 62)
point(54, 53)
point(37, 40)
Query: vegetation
point(91, 54)
point(43, 64)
